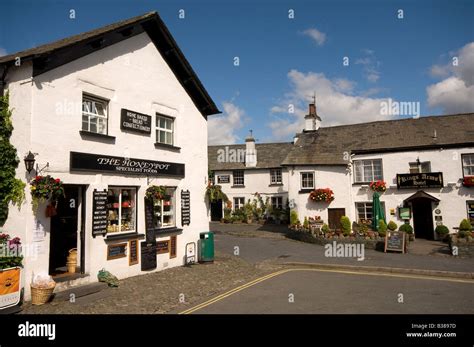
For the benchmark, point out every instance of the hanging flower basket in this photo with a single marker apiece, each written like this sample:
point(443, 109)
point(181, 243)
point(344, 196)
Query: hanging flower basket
point(155, 192)
point(322, 195)
point(468, 181)
point(378, 186)
point(46, 188)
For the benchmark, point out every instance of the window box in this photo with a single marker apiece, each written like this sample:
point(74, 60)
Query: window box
point(166, 146)
point(468, 181)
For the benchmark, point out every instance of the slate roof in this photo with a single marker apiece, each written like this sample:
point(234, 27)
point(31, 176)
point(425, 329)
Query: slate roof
point(269, 155)
point(54, 54)
point(327, 146)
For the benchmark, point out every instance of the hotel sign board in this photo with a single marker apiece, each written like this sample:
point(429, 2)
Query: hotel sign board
point(126, 166)
point(134, 121)
point(420, 180)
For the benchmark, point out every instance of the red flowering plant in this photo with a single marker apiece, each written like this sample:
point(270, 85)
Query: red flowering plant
point(378, 186)
point(468, 181)
point(10, 252)
point(322, 195)
point(46, 188)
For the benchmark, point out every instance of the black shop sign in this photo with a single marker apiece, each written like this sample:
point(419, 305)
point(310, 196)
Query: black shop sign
point(126, 166)
point(99, 212)
point(420, 180)
point(134, 121)
point(185, 207)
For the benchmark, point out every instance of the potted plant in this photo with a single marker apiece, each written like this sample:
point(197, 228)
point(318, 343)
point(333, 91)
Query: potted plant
point(465, 229)
point(408, 229)
point(214, 193)
point(155, 192)
point(322, 195)
point(378, 186)
point(392, 226)
point(346, 225)
point(442, 231)
point(46, 188)
point(382, 228)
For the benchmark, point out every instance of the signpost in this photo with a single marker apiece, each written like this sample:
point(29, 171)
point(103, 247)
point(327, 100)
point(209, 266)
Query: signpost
point(99, 212)
point(395, 241)
point(190, 253)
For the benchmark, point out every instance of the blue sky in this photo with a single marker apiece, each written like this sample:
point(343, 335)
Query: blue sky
point(283, 61)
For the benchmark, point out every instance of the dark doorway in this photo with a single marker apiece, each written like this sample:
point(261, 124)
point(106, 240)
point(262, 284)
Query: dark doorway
point(423, 218)
point(216, 211)
point(334, 218)
point(64, 230)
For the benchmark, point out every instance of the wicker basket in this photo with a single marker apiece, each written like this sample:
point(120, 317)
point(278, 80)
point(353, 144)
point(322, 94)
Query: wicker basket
point(40, 296)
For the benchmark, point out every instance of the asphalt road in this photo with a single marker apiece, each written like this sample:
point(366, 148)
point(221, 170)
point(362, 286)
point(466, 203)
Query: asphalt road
point(320, 292)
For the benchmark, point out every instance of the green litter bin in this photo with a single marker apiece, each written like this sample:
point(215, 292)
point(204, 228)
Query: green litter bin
point(206, 247)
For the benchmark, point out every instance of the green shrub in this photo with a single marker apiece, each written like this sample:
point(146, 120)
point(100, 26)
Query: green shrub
point(346, 225)
point(306, 223)
point(406, 228)
point(392, 226)
point(363, 228)
point(294, 217)
point(442, 230)
point(382, 228)
point(325, 228)
point(465, 225)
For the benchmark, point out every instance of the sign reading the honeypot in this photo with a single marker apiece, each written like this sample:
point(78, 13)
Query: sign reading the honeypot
point(420, 180)
point(125, 166)
point(148, 254)
point(395, 241)
point(99, 212)
point(116, 251)
point(185, 207)
point(10, 287)
point(134, 121)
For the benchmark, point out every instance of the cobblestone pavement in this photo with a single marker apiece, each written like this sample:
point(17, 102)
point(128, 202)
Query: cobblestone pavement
point(160, 292)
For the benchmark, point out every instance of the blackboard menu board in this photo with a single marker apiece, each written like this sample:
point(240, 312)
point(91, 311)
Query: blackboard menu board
point(148, 255)
point(395, 241)
point(116, 251)
point(133, 252)
point(185, 207)
point(149, 221)
point(99, 212)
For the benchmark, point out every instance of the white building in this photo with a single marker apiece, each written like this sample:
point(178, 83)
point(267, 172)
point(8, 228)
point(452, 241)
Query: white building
point(110, 113)
point(244, 170)
point(423, 161)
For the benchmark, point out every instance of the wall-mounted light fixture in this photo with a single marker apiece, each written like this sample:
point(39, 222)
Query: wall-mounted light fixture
point(29, 160)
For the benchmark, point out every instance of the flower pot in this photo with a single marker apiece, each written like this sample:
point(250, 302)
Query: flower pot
point(51, 210)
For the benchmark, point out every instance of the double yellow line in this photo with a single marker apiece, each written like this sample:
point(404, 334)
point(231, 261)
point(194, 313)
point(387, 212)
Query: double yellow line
point(233, 291)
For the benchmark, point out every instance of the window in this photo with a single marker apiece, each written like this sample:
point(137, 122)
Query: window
point(277, 202)
point(468, 164)
point(275, 176)
point(164, 130)
point(238, 177)
point(420, 167)
point(307, 180)
point(364, 210)
point(164, 210)
point(239, 203)
point(94, 115)
point(121, 210)
point(368, 170)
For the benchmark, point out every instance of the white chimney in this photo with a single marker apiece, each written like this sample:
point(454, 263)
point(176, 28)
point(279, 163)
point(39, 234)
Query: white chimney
point(312, 120)
point(250, 151)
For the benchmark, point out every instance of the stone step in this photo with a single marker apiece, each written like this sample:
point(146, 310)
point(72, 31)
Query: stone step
point(80, 291)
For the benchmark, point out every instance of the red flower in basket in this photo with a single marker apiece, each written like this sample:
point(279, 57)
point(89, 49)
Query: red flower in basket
point(378, 186)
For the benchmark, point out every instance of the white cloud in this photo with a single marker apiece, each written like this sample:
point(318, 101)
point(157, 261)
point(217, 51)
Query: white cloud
point(371, 65)
point(454, 94)
point(3, 52)
point(318, 36)
point(221, 128)
point(337, 103)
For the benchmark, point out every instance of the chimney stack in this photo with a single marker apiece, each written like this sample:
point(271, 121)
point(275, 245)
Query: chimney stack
point(250, 151)
point(312, 120)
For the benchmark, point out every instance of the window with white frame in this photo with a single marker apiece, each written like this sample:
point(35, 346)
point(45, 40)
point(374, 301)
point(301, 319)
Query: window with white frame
point(164, 129)
point(368, 170)
point(164, 209)
point(121, 210)
point(468, 164)
point(94, 115)
point(307, 180)
point(364, 210)
point(239, 203)
point(238, 177)
point(277, 202)
point(275, 176)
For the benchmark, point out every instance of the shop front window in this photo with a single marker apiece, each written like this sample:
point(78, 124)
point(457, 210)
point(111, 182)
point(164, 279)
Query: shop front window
point(164, 210)
point(121, 210)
